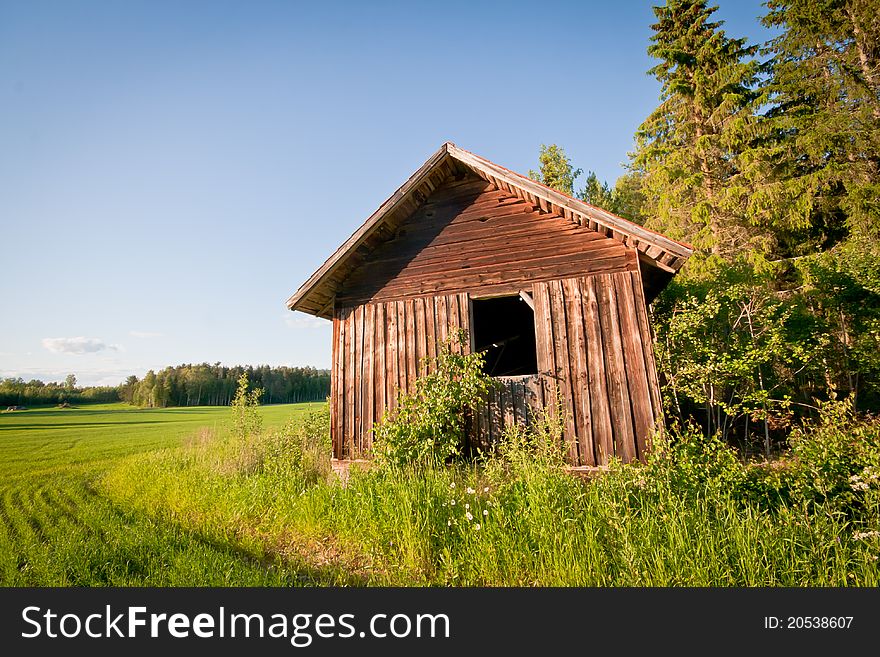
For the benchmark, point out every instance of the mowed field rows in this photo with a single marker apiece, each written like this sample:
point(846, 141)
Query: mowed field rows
point(56, 530)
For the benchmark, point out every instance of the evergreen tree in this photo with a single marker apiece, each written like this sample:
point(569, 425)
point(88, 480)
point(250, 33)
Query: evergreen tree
point(556, 170)
point(687, 147)
point(813, 171)
point(597, 193)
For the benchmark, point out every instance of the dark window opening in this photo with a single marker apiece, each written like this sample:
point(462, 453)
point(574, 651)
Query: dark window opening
point(504, 328)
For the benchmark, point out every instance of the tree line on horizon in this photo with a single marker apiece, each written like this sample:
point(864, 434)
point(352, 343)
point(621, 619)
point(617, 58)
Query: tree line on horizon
point(182, 385)
point(766, 158)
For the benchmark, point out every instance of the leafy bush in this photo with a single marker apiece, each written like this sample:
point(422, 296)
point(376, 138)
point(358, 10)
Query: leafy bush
point(694, 465)
point(428, 425)
point(836, 461)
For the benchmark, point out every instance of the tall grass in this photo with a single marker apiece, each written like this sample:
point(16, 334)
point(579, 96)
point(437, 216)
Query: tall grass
point(693, 516)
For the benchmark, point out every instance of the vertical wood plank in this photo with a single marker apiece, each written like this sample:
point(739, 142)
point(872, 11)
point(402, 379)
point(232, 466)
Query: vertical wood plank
point(634, 359)
point(545, 346)
point(507, 404)
point(577, 349)
point(402, 355)
point(464, 320)
point(380, 372)
point(563, 366)
point(453, 319)
point(369, 402)
point(421, 335)
point(621, 410)
point(336, 401)
point(411, 354)
point(350, 399)
point(648, 349)
point(431, 331)
point(392, 358)
point(442, 319)
point(358, 380)
point(600, 412)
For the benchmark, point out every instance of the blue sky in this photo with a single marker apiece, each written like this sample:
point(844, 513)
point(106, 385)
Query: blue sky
point(170, 172)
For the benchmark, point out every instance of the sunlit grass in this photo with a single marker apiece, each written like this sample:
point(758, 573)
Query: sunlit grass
point(526, 524)
point(56, 529)
point(120, 496)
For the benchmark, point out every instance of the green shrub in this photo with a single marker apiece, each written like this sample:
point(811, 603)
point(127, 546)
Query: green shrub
point(694, 465)
point(836, 460)
point(428, 425)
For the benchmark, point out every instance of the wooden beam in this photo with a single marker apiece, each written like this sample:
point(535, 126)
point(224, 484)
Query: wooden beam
point(648, 260)
point(525, 296)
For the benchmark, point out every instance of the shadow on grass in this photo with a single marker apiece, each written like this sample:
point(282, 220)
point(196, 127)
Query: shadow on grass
point(290, 571)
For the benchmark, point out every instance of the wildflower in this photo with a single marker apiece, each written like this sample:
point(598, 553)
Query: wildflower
point(485, 512)
point(486, 489)
point(449, 523)
point(470, 491)
point(467, 506)
point(468, 516)
point(857, 484)
point(452, 485)
point(477, 527)
point(452, 503)
point(863, 536)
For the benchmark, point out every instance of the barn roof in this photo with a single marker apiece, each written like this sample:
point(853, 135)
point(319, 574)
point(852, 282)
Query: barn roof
point(316, 295)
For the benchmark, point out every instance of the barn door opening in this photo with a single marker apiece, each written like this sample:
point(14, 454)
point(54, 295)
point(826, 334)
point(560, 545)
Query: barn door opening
point(504, 328)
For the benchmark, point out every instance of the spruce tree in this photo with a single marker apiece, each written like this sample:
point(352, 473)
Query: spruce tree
point(556, 170)
point(813, 169)
point(687, 148)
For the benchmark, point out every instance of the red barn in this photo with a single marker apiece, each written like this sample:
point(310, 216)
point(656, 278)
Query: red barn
point(553, 289)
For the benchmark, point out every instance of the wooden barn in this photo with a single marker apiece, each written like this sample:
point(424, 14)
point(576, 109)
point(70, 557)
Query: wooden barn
point(552, 288)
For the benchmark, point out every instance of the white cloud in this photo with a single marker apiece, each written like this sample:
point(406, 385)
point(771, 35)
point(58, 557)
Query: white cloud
point(302, 321)
point(145, 334)
point(78, 345)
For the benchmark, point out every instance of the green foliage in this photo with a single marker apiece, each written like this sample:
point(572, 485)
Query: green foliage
point(811, 169)
point(693, 464)
point(215, 385)
point(524, 449)
point(18, 392)
point(246, 419)
point(836, 461)
point(729, 345)
point(686, 148)
point(301, 450)
point(841, 288)
point(428, 425)
point(556, 170)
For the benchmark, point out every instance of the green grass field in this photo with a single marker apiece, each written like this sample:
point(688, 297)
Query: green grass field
point(57, 530)
point(112, 495)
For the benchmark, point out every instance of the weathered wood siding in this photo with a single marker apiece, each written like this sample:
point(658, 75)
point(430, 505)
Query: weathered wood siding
point(516, 399)
point(470, 236)
point(594, 349)
point(378, 350)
